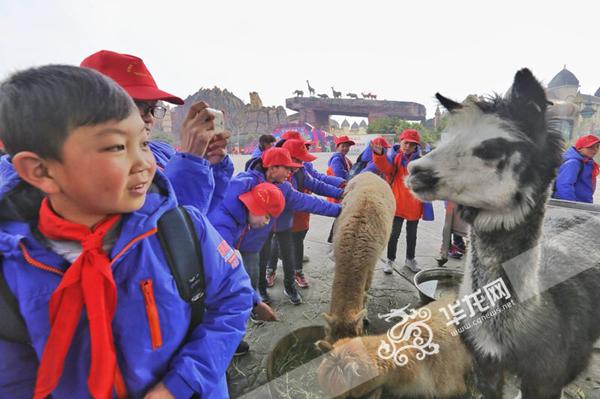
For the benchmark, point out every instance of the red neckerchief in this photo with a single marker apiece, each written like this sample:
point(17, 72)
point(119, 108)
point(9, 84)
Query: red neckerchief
point(88, 282)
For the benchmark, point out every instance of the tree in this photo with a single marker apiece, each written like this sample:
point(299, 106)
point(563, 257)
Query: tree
point(395, 125)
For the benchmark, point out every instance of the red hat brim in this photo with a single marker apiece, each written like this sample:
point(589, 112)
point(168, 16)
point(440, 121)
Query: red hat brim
point(411, 141)
point(346, 141)
point(252, 204)
point(148, 93)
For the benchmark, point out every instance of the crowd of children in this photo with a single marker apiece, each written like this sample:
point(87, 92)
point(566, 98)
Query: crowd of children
point(95, 301)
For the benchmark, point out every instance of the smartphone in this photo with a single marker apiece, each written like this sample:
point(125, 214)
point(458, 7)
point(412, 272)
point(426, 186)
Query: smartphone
point(219, 120)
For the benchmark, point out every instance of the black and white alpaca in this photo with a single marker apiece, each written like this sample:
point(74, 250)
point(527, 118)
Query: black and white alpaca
point(499, 167)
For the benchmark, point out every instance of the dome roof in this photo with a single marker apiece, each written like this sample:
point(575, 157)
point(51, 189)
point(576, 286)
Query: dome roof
point(597, 93)
point(354, 126)
point(564, 78)
point(363, 123)
point(345, 123)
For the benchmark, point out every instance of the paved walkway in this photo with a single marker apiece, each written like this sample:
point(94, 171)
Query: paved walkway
point(247, 374)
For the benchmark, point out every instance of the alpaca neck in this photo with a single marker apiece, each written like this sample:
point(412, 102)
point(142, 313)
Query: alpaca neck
point(512, 254)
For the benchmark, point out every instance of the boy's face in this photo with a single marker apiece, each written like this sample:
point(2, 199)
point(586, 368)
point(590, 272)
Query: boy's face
point(256, 222)
point(590, 152)
point(344, 148)
point(408, 147)
point(278, 174)
point(105, 169)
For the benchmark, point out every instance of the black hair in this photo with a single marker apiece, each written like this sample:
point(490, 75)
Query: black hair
point(39, 107)
point(266, 139)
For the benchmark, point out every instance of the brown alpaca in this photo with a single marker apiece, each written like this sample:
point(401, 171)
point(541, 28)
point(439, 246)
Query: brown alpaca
point(354, 369)
point(361, 232)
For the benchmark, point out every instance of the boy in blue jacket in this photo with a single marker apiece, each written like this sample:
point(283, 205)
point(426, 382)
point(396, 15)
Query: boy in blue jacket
point(275, 166)
point(576, 179)
point(96, 294)
point(282, 230)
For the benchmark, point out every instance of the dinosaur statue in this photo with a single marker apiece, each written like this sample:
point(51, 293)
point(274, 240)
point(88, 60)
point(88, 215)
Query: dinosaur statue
point(352, 95)
point(323, 95)
point(336, 94)
point(311, 90)
point(299, 93)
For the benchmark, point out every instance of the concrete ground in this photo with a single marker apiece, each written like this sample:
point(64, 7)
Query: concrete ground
point(247, 374)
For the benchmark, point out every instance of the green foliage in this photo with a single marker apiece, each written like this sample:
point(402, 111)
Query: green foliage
point(395, 125)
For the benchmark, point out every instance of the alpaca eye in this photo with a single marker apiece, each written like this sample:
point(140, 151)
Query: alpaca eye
point(493, 149)
point(488, 152)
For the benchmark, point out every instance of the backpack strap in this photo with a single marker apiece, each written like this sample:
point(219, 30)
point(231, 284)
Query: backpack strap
point(13, 326)
point(179, 242)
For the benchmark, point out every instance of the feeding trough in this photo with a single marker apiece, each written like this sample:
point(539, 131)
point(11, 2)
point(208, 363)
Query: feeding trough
point(433, 283)
point(293, 363)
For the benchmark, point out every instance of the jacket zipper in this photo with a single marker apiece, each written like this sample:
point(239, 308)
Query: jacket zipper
point(152, 313)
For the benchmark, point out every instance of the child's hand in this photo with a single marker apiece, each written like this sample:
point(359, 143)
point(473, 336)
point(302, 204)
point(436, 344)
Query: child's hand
point(160, 391)
point(197, 129)
point(217, 148)
point(264, 312)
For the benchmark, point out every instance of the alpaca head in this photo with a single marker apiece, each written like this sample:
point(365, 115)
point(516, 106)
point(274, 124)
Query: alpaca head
point(348, 370)
point(337, 327)
point(501, 157)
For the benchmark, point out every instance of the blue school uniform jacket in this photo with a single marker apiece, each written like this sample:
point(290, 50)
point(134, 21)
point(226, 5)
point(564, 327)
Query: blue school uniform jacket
point(338, 166)
point(185, 363)
point(286, 219)
point(575, 180)
point(251, 240)
point(331, 180)
point(195, 181)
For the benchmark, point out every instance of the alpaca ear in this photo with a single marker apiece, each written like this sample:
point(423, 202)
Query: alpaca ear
point(450, 105)
point(323, 346)
point(527, 92)
point(528, 103)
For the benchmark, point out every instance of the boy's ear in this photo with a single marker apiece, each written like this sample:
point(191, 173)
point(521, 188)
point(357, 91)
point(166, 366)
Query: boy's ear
point(34, 170)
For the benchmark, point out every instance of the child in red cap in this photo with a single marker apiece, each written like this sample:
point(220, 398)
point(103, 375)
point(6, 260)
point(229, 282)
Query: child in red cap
point(576, 180)
point(243, 210)
point(407, 206)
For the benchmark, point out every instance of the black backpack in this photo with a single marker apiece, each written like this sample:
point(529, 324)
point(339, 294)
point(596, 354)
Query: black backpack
point(358, 166)
point(179, 243)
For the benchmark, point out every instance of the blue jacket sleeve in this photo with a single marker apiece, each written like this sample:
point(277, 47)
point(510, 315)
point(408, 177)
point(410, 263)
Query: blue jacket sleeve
point(566, 179)
point(224, 223)
point(222, 173)
point(300, 202)
point(200, 365)
point(162, 151)
point(331, 180)
point(320, 188)
point(18, 368)
point(192, 179)
point(338, 168)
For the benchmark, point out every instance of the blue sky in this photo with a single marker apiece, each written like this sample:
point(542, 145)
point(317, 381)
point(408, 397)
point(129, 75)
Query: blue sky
point(398, 50)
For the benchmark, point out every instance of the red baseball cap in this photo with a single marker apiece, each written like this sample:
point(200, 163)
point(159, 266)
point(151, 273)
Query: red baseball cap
point(294, 135)
point(343, 139)
point(277, 156)
point(381, 141)
point(298, 150)
point(410, 135)
point(130, 73)
point(264, 199)
point(586, 141)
